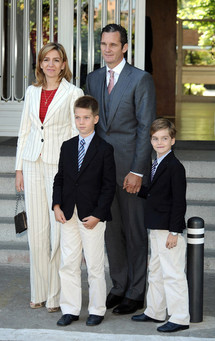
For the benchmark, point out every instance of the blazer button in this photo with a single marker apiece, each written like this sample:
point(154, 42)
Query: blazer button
point(42, 127)
point(42, 140)
point(148, 195)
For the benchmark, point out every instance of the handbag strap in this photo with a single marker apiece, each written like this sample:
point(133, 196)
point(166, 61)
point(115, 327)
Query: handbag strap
point(19, 198)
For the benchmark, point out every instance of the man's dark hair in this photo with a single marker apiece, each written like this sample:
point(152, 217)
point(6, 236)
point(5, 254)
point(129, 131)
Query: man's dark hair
point(116, 28)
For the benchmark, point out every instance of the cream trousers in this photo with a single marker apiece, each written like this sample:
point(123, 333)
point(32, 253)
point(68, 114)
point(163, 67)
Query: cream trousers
point(75, 238)
point(168, 290)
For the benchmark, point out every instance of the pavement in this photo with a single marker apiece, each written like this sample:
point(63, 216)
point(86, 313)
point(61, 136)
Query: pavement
point(19, 322)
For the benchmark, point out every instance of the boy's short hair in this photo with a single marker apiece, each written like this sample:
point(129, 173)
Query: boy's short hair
point(163, 123)
point(87, 102)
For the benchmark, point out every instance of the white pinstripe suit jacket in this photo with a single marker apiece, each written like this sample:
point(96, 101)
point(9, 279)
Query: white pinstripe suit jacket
point(46, 138)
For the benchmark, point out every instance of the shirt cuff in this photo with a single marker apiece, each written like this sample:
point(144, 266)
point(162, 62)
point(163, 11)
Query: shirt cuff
point(141, 175)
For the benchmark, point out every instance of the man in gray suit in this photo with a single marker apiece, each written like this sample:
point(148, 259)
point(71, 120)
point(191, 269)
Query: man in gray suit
point(126, 98)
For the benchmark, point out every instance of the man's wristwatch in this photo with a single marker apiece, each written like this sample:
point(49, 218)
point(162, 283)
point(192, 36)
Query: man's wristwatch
point(174, 233)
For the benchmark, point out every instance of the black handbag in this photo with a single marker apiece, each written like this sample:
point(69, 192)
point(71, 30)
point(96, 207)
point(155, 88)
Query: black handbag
point(20, 219)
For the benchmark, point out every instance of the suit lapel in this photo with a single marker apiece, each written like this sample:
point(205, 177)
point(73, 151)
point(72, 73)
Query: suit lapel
point(91, 151)
point(121, 86)
point(36, 102)
point(74, 155)
point(162, 166)
point(102, 80)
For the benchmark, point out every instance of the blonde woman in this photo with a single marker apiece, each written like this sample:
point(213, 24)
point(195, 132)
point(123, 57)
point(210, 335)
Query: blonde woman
point(47, 120)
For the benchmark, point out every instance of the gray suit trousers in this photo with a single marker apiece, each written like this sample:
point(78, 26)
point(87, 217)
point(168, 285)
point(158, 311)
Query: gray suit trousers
point(127, 246)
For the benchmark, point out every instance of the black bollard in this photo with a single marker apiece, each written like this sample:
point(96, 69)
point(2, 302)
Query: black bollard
point(195, 267)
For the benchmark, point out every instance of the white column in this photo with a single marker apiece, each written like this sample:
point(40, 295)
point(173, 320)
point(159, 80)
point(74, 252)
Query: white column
point(140, 14)
point(65, 27)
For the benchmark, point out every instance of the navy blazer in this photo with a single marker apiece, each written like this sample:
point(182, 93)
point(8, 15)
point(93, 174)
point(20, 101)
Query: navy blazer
point(92, 188)
point(166, 196)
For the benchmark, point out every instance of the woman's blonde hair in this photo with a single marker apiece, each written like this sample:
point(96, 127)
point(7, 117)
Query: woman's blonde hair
point(65, 73)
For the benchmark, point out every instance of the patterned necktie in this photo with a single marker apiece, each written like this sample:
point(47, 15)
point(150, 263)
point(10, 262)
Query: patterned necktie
point(154, 167)
point(81, 153)
point(111, 81)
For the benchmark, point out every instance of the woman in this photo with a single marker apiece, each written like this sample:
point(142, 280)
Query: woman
point(47, 120)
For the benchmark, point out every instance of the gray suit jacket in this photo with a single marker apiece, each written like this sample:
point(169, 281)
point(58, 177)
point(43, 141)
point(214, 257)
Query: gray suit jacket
point(131, 113)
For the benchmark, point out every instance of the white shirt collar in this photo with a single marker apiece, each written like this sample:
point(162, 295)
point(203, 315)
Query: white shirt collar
point(87, 139)
point(117, 69)
point(162, 157)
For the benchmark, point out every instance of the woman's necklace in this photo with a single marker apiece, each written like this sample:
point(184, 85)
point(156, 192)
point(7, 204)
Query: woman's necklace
point(47, 98)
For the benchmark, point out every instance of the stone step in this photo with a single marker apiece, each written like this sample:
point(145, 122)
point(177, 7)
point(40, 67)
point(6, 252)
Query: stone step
point(210, 237)
point(7, 205)
point(16, 254)
point(8, 234)
point(7, 164)
point(199, 169)
point(200, 208)
point(7, 183)
point(201, 189)
point(197, 188)
point(203, 209)
point(194, 168)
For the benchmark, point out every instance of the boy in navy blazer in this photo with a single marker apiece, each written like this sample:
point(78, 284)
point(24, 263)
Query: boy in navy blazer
point(164, 217)
point(83, 191)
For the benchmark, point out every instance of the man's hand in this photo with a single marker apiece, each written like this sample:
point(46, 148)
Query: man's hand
point(132, 183)
point(90, 222)
point(171, 241)
point(19, 182)
point(59, 215)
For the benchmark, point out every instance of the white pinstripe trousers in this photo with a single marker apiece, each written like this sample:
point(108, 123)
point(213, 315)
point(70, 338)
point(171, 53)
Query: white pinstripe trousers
point(75, 238)
point(43, 232)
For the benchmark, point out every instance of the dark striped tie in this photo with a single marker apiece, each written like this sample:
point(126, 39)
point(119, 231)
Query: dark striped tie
point(81, 153)
point(153, 170)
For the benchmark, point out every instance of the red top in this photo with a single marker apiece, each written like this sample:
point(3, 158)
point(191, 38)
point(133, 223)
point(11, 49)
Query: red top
point(46, 98)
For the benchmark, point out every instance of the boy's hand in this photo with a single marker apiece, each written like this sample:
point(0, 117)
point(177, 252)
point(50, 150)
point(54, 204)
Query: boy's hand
point(59, 215)
point(132, 183)
point(90, 222)
point(171, 241)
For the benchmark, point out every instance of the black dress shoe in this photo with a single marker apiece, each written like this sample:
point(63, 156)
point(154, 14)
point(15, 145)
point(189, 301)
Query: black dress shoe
point(67, 319)
point(94, 320)
point(128, 306)
point(144, 318)
point(113, 300)
point(171, 327)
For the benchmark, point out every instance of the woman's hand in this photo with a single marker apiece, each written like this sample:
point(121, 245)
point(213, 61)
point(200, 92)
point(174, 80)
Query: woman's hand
point(19, 182)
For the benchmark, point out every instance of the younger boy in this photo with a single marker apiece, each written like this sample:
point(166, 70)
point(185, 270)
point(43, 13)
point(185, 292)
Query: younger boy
point(83, 191)
point(164, 216)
